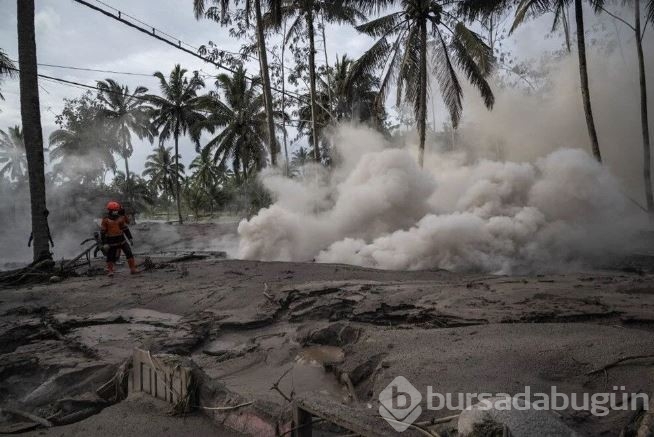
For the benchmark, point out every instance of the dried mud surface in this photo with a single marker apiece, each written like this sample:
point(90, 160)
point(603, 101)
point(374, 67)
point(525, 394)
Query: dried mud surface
point(333, 334)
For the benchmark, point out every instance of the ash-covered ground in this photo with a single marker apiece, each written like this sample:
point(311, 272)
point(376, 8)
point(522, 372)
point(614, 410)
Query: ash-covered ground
point(329, 335)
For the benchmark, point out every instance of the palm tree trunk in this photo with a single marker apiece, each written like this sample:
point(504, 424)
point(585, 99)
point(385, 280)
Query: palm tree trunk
point(312, 85)
point(284, 103)
point(31, 118)
point(128, 186)
point(422, 97)
point(177, 194)
point(324, 47)
point(583, 72)
point(265, 76)
point(647, 157)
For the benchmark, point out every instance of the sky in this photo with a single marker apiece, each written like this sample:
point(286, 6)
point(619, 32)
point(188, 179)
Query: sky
point(70, 34)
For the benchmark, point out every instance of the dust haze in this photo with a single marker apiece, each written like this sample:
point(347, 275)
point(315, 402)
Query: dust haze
point(519, 193)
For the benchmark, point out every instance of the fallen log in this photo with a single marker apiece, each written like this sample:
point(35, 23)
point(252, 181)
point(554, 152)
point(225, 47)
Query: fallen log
point(41, 270)
point(44, 271)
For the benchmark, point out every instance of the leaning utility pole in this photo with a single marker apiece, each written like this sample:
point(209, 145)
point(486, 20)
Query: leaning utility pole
point(31, 117)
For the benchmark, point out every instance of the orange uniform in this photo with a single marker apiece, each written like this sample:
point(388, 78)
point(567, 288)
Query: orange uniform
point(113, 231)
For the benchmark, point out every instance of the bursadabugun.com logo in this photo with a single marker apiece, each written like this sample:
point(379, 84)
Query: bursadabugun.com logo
point(400, 402)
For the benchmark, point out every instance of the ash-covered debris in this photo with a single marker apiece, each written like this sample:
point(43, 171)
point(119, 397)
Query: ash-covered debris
point(264, 340)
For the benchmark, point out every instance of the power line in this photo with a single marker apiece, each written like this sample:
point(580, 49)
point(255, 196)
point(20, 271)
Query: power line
point(84, 86)
point(80, 85)
point(96, 70)
point(174, 38)
point(160, 36)
point(70, 67)
point(161, 32)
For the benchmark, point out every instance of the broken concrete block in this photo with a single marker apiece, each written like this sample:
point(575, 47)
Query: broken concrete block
point(164, 376)
point(520, 422)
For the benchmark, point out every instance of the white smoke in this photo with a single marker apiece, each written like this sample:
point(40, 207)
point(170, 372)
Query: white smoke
point(519, 194)
point(378, 209)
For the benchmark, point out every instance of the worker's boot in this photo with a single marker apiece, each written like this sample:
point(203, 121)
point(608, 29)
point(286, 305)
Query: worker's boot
point(132, 266)
point(110, 268)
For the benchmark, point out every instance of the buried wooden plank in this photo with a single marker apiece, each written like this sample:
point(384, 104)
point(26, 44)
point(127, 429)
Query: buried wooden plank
point(302, 422)
point(163, 376)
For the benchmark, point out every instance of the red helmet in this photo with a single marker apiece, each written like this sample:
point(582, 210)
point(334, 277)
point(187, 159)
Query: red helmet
point(113, 206)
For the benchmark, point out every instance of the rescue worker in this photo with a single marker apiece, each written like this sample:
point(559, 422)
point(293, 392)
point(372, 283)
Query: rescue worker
point(113, 231)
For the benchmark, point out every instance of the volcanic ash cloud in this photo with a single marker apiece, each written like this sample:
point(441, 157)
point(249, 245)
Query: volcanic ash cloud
point(379, 209)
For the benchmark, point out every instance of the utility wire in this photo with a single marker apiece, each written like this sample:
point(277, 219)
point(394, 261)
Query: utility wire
point(69, 67)
point(160, 36)
point(83, 85)
point(242, 55)
point(80, 85)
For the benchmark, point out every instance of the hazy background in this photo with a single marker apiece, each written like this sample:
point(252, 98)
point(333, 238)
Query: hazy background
point(525, 126)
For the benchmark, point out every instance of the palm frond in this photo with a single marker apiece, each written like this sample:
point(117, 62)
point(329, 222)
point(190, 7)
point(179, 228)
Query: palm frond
point(450, 87)
point(475, 46)
point(475, 74)
point(382, 26)
point(481, 9)
point(530, 7)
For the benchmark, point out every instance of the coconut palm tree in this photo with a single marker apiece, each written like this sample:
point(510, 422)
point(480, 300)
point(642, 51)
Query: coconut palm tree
point(238, 110)
point(206, 172)
point(84, 144)
point(528, 8)
point(7, 68)
point(300, 157)
point(126, 113)
point(83, 154)
point(13, 162)
point(302, 14)
point(217, 13)
point(341, 95)
point(405, 59)
point(647, 154)
point(639, 30)
point(142, 195)
point(163, 171)
point(206, 179)
point(32, 132)
point(354, 96)
point(176, 111)
point(315, 123)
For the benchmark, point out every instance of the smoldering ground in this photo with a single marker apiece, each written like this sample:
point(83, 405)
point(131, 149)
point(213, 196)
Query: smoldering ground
point(75, 209)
